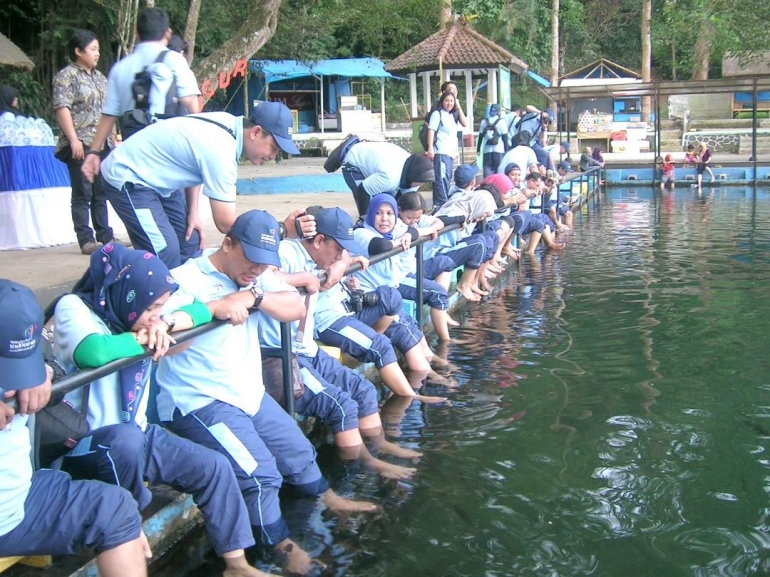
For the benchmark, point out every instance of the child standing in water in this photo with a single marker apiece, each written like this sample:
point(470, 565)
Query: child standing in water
point(669, 172)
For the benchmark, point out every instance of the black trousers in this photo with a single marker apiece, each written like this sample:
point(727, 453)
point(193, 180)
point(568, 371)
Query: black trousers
point(89, 199)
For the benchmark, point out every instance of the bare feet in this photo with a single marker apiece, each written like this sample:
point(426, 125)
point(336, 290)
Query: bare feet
point(558, 246)
point(295, 559)
point(391, 471)
point(339, 504)
point(431, 400)
point(511, 252)
point(389, 448)
point(239, 567)
point(468, 293)
point(451, 322)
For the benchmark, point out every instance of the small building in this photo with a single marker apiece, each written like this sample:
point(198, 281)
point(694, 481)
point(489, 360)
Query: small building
point(321, 95)
point(458, 51)
point(734, 66)
point(604, 72)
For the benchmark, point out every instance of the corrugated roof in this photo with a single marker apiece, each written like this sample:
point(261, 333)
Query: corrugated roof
point(276, 70)
point(11, 55)
point(457, 47)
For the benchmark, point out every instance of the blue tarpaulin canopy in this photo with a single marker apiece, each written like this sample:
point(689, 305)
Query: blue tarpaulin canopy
point(277, 70)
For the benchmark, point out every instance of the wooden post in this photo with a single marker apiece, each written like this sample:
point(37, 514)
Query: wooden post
point(413, 94)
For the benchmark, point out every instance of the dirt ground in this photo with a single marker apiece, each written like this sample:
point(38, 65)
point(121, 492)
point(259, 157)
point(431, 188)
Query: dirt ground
point(62, 265)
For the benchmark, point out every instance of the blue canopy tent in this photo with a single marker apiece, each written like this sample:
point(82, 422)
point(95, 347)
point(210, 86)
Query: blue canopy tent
point(327, 79)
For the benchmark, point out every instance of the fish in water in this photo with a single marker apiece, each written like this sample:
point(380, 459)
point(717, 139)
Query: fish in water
point(758, 429)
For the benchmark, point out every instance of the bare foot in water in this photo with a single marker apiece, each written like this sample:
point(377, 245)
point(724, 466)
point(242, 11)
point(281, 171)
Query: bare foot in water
point(339, 504)
point(513, 253)
point(239, 567)
point(468, 293)
point(296, 560)
point(389, 448)
point(483, 289)
point(391, 471)
point(431, 400)
point(451, 322)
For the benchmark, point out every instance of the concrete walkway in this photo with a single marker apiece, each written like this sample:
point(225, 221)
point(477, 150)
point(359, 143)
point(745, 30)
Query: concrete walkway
point(50, 271)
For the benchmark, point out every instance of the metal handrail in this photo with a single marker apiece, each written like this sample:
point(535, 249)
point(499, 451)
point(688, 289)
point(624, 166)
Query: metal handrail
point(84, 377)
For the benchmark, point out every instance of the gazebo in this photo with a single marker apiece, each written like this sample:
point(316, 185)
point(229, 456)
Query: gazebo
point(454, 51)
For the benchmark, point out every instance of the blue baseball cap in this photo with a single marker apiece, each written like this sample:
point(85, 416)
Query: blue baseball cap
point(259, 235)
point(464, 174)
point(494, 109)
point(565, 146)
point(337, 224)
point(21, 331)
point(511, 166)
point(276, 119)
point(564, 165)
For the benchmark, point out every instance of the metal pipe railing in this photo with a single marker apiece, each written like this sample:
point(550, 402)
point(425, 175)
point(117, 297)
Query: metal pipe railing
point(84, 377)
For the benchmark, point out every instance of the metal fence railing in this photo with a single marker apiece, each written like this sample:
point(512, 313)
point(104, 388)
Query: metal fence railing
point(84, 377)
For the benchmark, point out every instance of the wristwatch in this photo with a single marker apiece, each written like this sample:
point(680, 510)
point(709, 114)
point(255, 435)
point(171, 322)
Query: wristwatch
point(169, 320)
point(259, 294)
point(282, 229)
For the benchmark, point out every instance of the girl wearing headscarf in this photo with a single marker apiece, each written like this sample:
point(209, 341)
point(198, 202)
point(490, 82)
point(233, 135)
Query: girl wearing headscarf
point(381, 232)
point(114, 312)
point(375, 237)
point(9, 102)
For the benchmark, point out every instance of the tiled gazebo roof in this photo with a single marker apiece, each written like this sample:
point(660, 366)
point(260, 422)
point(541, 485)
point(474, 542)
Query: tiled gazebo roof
point(457, 47)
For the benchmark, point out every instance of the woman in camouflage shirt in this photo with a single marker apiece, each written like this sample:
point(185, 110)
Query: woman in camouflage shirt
point(79, 91)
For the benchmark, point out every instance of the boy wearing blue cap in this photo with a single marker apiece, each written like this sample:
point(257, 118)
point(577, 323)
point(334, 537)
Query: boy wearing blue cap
point(46, 512)
point(212, 392)
point(464, 180)
point(145, 176)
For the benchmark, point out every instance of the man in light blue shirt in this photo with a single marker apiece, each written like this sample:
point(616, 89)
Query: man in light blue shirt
point(144, 177)
point(212, 392)
point(153, 31)
point(493, 139)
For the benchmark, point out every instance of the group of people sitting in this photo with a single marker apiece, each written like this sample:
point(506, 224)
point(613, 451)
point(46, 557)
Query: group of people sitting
point(224, 436)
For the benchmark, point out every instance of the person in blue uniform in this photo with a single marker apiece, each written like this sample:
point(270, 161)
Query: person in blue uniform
point(46, 512)
point(113, 312)
point(212, 392)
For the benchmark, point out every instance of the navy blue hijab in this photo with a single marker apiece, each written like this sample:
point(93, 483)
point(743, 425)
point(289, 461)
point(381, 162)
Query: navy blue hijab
point(371, 213)
point(119, 286)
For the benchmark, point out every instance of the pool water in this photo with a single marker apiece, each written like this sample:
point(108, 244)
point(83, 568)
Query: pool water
point(611, 411)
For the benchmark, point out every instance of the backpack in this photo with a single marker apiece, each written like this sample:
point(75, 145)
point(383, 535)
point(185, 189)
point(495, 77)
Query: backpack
point(491, 132)
point(423, 136)
point(531, 123)
point(337, 156)
point(134, 120)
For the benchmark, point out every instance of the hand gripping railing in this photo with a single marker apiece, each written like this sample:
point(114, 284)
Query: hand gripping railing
point(84, 377)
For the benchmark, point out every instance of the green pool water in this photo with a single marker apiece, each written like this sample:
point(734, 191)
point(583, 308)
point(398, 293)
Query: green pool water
point(611, 411)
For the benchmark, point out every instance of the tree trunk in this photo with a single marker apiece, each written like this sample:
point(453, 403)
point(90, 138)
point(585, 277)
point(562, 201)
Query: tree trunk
point(555, 49)
point(191, 28)
point(673, 60)
point(127, 26)
point(257, 29)
point(702, 50)
point(445, 15)
point(646, 55)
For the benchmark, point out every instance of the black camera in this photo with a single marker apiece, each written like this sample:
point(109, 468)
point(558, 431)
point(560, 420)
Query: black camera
point(360, 299)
